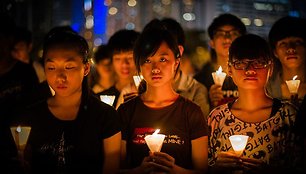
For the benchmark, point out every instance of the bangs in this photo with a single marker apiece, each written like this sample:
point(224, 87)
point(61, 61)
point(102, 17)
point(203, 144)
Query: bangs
point(250, 47)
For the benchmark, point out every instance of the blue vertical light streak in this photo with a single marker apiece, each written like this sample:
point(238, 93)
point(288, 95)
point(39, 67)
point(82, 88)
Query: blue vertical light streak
point(77, 18)
point(100, 17)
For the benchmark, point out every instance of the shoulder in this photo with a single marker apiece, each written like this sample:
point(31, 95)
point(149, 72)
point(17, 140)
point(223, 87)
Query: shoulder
point(218, 111)
point(130, 104)
point(97, 105)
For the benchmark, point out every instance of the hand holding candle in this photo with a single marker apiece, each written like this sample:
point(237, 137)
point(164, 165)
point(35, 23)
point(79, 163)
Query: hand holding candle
point(238, 143)
point(293, 85)
point(219, 76)
point(155, 141)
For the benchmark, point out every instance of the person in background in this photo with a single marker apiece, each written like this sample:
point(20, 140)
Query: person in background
point(184, 150)
point(16, 81)
point(103, 75)
point(222, 32)
point(22, 49)
point(121, 50)
point(287, 38)
point(72, 131)
point(186, 85)
point(273, 145)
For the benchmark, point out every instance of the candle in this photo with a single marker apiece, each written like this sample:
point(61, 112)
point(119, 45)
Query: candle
point(155, 141)
point(137, 80)
point(21, 135)
point(219, 76)
point(238, 143)
point(293, 85)
point(108, 99)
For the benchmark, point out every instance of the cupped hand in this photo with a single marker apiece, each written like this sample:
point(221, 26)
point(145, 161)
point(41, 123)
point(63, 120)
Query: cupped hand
point(215, 94)
point(252, 165)
point(228, 161)
point(163, 162)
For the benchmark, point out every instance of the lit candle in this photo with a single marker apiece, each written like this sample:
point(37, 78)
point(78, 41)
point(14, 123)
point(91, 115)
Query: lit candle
point(219, 76)
point(293, 85)
point(137, 80)
point(238, 143)
point(108, 99)
point(155, 141)
point(21, 135)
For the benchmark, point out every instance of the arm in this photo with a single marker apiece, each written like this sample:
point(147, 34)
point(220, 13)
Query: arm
point(199, 152)
point(111, 154)
point(215, 94)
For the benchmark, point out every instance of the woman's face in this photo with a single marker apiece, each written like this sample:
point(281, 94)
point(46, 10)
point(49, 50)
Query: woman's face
point(124, 65)
point(250, 74)
point(291, 52)
point(159, 69)
point(65, 71)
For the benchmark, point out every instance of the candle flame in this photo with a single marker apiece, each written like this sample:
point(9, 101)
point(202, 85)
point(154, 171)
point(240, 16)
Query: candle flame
point(294, 77)
point(18, 129)
point(156, 132)
point(219, 70)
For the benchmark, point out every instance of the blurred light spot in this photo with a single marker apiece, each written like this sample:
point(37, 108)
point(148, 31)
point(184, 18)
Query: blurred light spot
point(166, 2)
point(97, 41)
point(130, 26)
point(263, 6)
point(226, 8)
point(189, 16)
point(132, 3)
point(246, 21)
point(88, 35)
point(112, 11)
point(87, 5)
point(89, 22)
point(107, 2)
point(258, 22)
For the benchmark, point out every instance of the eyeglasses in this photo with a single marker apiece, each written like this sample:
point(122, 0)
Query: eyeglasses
point(245, 64)
point(224, 34)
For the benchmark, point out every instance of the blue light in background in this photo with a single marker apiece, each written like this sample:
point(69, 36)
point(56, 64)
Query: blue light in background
point(294, 13)
point(77, 15)
point(100, 17)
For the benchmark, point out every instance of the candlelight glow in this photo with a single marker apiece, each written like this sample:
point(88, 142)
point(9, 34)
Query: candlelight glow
point(219, 71)
point(155, 141)
point(219, 76)
point(294, 77)
point(238, 143)
point(18, 129)
point(156, 132)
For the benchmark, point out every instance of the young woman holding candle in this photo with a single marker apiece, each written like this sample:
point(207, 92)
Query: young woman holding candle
point(72, 131)
point(287, 38)
point(184, 150)
point(273, 143)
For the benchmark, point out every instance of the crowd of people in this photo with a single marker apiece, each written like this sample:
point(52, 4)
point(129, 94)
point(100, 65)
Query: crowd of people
point(74, 131)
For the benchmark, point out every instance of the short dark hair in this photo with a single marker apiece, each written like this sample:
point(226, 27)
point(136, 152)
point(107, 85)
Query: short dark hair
point(67, 40)
point(102, 53)
point(176, 29)
point(122, 41)
point(150, 40)
point(226, 19)
point(286, 27)
point(250, 46)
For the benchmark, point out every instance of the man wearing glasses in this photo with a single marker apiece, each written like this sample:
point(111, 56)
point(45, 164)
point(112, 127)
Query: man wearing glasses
point(222, 32)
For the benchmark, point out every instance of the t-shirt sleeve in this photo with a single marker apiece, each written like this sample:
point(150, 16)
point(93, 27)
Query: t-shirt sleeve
point(197, 122)
point(124, 111)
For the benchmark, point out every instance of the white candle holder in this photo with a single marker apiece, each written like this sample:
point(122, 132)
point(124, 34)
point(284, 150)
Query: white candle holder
point(219, 76)
point(108, 99)
point(238, 143)
point(155, 141)
point(293, 85)
point(20, 135)
point(137, 79)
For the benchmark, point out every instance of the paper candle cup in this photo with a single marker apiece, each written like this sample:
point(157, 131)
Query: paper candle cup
point(238, 143)
point(20, 135)
point(155, 142)
point(293, 86)
point(219, 76)
point(137, 80)
point(108, 99)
